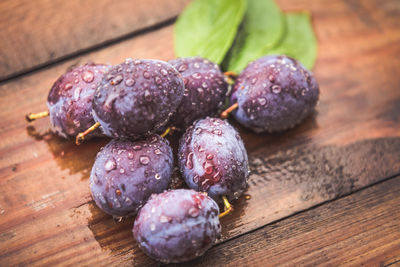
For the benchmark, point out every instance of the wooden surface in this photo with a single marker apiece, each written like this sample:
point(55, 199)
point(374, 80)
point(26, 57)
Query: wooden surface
point(351, 143)
point(361, 228)
point(37, 33)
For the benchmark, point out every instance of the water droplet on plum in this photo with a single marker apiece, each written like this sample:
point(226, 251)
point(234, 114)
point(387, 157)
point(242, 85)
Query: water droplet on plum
point(182, 68)
point(130, 82)
point(193, 212)
point(144, 160)
point(88, 76)
point(158, 80)
point(189, 161)
point(196, 75)
point(77, 93)
point(276, 89)
point(117, 80)
point(262, 101)
point(67, 86)
point(146, 75)
point(110, 165)
point(164, 72)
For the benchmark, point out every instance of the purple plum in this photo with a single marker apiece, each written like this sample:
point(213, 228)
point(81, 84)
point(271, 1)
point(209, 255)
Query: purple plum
point(205, 90)
point(137, 97)
point(70, 100)
point(274, 93)
point(213, 159)
point(126, 173)
point(177, 225)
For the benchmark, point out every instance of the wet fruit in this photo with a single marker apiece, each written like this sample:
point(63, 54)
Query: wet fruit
point(205, 90)
point(126, 173)
point(137, 97)
point(178, 225)
point(274, 93)
point(70, 100)
point(213, 159)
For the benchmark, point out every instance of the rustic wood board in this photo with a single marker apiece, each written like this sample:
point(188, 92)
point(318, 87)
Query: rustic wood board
point(360, 229)
point(35, 33)
point(353, 140)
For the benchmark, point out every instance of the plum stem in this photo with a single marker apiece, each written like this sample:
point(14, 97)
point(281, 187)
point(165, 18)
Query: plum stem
point(164, 134)
point(169, 130)
point(81, 136)
point(34, 116)
point(231, 76)
point(228, 208)
point(226, 112)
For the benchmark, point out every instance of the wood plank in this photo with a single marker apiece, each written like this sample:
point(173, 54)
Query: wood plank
point(35, 33)
point(353, 140)
point(357, 230)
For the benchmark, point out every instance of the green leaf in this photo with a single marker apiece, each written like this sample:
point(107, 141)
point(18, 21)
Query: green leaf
point(262, 28)
point(207, 28)
point(300, 41)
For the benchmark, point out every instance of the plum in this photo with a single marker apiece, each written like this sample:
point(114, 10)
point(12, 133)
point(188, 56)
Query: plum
point(273, 93)
point(136, 98)
point(177, 225)
point(70, 100)
point(126, 173)
point(213, 159)
point(205, 90)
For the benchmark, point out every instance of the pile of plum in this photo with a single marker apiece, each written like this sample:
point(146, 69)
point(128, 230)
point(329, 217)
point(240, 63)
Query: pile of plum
point(137, 100)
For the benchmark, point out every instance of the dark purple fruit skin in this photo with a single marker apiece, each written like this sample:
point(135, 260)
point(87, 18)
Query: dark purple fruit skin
point(126, 173)
point(70, 100)
point(205, 90)
point(274, 93)
point(213, 159)
point(137, 97)
point(177, 225)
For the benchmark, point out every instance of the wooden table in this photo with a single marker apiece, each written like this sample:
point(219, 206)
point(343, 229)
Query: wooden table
point(324, 193)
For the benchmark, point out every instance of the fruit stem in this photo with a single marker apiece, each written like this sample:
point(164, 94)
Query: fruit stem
point(169, 130)
point(226, 112)
point(34, 116)
point(228, 207)
point(231, 74)
point(81, 136)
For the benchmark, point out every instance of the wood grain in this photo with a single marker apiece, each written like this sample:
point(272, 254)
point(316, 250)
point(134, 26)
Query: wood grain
point(35, 33)
point(362, 229)
point(353, 140)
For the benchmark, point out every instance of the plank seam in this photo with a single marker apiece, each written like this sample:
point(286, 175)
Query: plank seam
point(88, 50)
point(392, 263)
